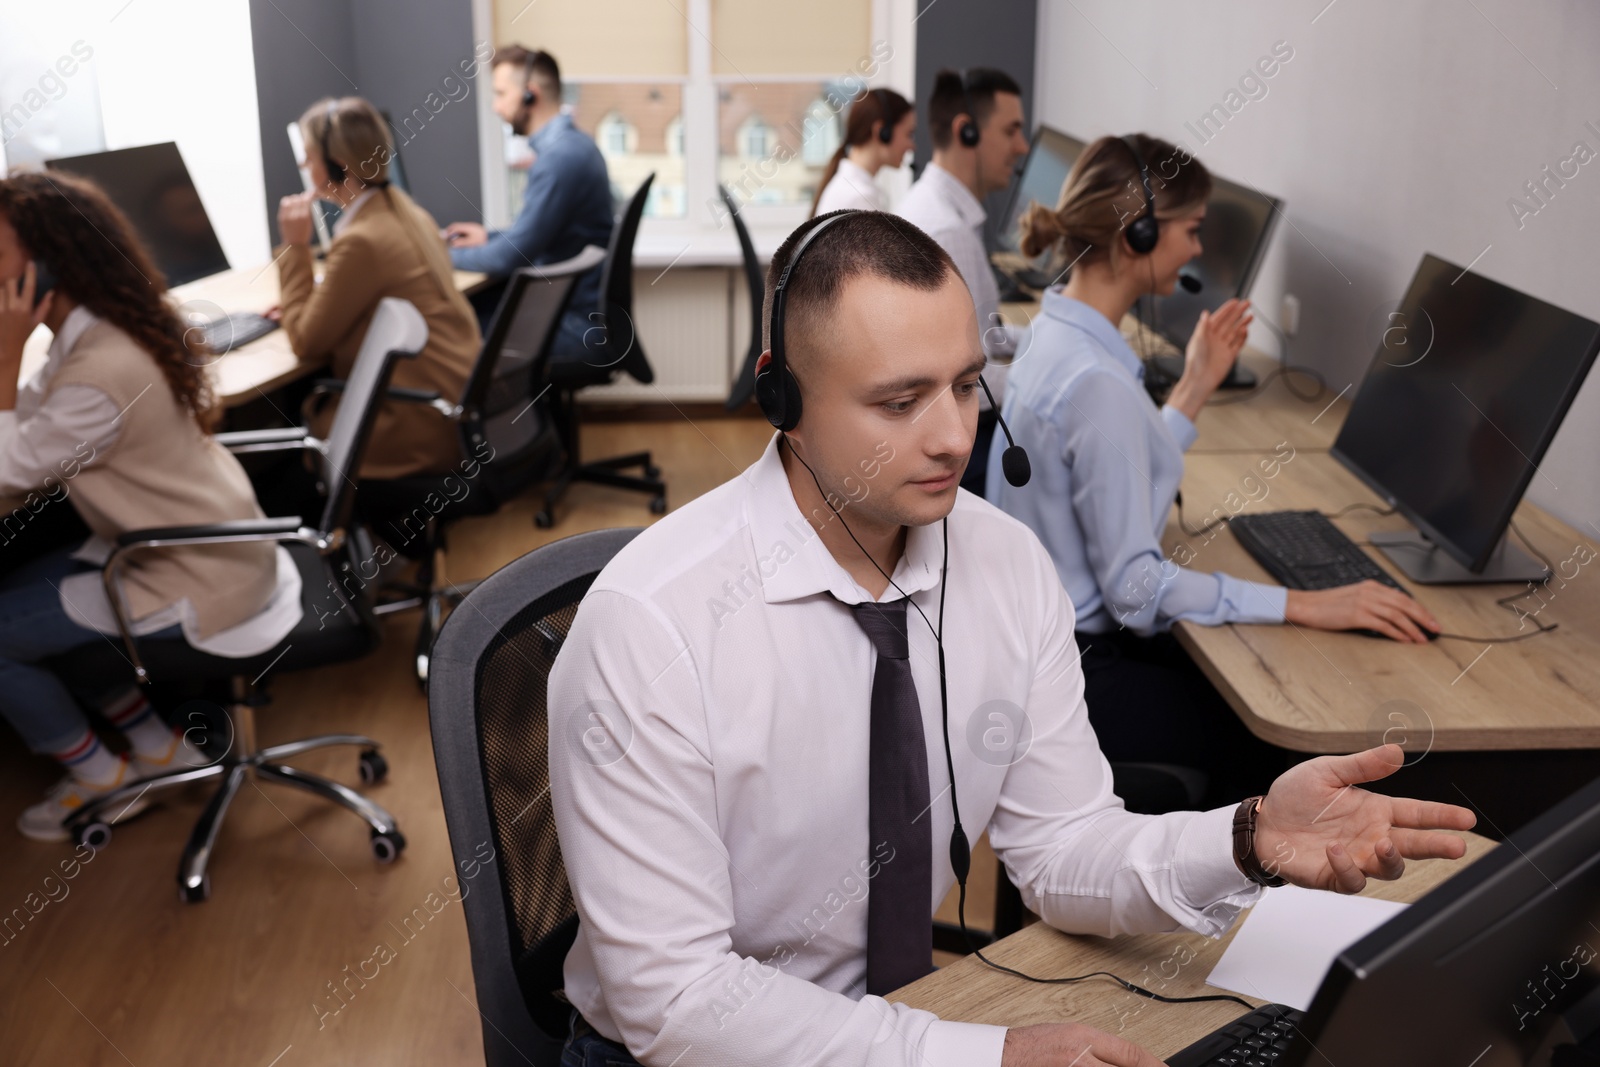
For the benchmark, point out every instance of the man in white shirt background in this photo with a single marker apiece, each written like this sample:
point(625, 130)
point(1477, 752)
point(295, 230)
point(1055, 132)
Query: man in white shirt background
point(748, 764)
point(975, 121)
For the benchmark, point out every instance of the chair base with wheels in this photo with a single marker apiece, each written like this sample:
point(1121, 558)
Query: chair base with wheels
point(607, 471)
point(246, 761)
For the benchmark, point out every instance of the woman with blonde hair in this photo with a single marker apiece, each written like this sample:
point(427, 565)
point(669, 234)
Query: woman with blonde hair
point(383, 245)
point(1107, 464)
point(877, 135)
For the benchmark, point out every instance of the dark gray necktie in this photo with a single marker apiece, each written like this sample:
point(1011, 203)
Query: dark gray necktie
point(899, 922)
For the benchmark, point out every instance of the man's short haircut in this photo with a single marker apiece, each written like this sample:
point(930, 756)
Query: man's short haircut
point(948, 101)
point(868, 243)
point(542, 64)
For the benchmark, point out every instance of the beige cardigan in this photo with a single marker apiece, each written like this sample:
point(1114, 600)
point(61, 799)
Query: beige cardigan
point(391, 247)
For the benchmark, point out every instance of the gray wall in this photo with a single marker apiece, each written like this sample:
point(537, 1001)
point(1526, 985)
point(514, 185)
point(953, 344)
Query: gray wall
point(974, 33)
point(398, 55)
point(1396, 129)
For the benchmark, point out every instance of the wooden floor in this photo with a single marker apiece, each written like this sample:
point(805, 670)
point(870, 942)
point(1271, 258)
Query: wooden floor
point(107, 967)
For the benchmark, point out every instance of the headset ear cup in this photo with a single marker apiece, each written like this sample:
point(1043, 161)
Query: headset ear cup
point(886, 132)
point(969, 133)
point(768, 386)
point(1143, 234)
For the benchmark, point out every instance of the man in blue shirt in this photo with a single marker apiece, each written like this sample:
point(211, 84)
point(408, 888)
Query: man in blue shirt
point(568, 200)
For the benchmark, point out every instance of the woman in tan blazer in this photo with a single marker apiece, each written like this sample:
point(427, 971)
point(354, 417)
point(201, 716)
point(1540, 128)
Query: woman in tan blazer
point(116, 426)
point(383, 245)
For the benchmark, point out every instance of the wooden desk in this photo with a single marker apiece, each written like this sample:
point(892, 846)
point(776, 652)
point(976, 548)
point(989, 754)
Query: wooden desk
point(250, 370)
point(1173, 964)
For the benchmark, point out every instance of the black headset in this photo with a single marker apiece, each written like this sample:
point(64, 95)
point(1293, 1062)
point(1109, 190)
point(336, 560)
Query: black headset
point(1143, 232)
point(336, 173)
point(778, 393)
point(529, 97)
point(885, 128)
point(969, 134)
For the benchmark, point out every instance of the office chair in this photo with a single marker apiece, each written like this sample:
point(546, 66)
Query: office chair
point(744, 386)
point(612, 344)
point(508, 442)
point(337, 623)
point(486, 706)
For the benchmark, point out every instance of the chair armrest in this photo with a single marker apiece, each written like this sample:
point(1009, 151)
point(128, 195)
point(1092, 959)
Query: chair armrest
point(220, 532)
point(287, 528)
point(429, 397)
point(282, 439)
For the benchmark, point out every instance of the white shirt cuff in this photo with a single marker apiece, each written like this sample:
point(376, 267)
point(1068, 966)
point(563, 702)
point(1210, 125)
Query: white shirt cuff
point(1183, 429)
point(952, 1044)
point(1209, 880)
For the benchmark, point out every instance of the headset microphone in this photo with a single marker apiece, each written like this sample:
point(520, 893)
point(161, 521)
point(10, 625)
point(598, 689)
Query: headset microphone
point(1014, 460)
point(1191, 282)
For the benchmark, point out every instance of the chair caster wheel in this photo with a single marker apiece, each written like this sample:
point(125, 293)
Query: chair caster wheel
point(386, 848)
point(195, 894)
point(658, 505)
point(652, 471)
point(96, 834)
point(543, 519)
point(374, 768)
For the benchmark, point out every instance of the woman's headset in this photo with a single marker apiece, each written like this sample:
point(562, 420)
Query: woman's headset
point(336, 172)
point(1143, 232)
point(885, 127)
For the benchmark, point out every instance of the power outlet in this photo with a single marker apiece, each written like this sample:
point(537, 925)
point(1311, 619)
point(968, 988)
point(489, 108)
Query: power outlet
point(1290, 314)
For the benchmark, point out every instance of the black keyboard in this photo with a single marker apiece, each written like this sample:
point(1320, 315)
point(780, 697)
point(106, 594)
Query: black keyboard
point(1303, 550)
point(1260, 1039)
point(235, 329)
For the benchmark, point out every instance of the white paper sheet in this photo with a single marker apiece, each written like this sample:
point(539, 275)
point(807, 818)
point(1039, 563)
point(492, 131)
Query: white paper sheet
point(1289, 940)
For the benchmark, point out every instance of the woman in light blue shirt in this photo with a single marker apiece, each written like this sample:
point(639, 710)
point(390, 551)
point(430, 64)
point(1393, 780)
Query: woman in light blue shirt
point(1107, 464)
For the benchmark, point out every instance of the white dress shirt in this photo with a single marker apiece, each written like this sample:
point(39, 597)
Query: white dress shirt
point(78, 420)
point(850, 187)
point(945, 209)
point(709, 723)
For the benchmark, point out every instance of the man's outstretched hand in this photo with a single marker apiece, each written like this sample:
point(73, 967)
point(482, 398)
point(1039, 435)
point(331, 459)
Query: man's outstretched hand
point(1317, 828)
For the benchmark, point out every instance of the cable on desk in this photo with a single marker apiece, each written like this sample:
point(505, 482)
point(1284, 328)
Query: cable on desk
point(961, 913)
point(1282, 370)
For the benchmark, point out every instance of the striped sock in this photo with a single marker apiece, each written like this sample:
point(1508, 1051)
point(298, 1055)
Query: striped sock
point(150, 737)
point(88, 760)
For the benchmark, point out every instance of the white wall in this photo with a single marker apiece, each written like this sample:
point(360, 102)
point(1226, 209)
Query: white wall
point(1395, 129)
point(162, 70)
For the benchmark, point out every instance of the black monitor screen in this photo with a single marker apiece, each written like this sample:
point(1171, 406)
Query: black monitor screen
point(1469, 384)
point(1233, 240)
point(153, 188)
point(1045, 171)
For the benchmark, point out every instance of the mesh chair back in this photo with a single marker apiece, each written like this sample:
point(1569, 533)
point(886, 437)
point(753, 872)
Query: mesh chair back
point(486, 705)
point(397, 330)
point(616, 291)
point(744, 387)
point(500, 403)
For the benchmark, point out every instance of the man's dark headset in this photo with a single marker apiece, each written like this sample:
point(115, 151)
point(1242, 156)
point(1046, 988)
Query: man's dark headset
point(969, 134)
point(336, 172)
point(885, 128)
point(529, 97)
point(778, 393)
point(1143, 232)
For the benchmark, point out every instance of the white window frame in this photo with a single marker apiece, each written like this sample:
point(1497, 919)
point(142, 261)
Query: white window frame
point(892, 22)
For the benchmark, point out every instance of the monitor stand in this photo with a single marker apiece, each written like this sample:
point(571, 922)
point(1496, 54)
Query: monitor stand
point(1425, 563)
point(1239, 376)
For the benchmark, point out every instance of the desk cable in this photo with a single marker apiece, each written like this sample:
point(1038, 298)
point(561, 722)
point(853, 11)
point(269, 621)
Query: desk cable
point(1283, 370)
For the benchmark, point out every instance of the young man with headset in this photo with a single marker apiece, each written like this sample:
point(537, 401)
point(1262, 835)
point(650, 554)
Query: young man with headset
point(758, 754)
point(567, 203)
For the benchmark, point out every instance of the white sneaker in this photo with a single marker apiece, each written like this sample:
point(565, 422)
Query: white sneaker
point(185, 755)
point(45, 821)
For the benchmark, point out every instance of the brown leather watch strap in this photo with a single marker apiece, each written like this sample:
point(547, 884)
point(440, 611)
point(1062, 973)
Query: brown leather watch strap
point(1244, 844)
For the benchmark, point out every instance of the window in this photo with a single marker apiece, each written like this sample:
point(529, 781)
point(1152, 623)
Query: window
point(750, 94)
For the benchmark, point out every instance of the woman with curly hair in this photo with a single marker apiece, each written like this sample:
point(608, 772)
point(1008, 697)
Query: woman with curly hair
point(116, 423)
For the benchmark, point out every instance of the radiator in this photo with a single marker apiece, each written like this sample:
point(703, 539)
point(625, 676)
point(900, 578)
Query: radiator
point(682, 320)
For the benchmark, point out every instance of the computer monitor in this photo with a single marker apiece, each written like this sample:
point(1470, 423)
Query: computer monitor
point(1234, 237)
point(1044, 172)
point(1493, 968)
point(153, 188)
point(1469, 384)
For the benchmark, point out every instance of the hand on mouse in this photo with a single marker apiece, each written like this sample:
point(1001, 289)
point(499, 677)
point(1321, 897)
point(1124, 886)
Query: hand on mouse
point(1369, 605)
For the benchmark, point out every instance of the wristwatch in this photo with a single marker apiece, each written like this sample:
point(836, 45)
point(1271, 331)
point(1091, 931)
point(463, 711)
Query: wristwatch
point(1244, 845)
